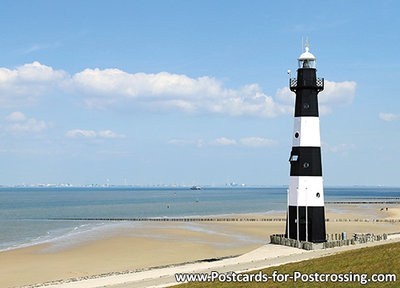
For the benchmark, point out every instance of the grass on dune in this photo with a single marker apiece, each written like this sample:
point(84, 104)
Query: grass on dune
point(371, 260)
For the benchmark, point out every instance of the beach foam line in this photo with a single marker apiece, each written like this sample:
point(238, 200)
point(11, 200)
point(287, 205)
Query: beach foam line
point(65, 237)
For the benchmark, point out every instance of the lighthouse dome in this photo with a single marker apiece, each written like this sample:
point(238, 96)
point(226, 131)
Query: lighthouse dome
point(306, 59)
point(307, 56)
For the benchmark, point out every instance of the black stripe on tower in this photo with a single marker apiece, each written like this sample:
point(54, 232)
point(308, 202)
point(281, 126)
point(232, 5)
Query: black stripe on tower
point(316, 223)
point(306, 103)
point(305, 161)
point(307, 87)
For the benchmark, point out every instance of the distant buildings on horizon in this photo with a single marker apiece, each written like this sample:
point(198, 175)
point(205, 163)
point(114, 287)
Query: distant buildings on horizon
point(226, 185)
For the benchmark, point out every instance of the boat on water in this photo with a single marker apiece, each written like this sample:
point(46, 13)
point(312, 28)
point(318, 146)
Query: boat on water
point(195, 188)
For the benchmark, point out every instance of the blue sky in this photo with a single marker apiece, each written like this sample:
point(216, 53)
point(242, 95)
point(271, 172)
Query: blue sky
point(193, 92)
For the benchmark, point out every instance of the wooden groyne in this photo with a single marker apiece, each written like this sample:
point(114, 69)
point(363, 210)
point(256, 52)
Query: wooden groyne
point(219, 219)
point(174, 219)
point(363, 202)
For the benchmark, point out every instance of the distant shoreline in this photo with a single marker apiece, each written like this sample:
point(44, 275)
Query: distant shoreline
point(167, 186)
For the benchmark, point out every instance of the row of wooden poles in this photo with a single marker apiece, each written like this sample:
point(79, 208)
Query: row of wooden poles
point(336, 240)
point(220, 219)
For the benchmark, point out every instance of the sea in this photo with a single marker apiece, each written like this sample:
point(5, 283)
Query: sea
point(30, 216)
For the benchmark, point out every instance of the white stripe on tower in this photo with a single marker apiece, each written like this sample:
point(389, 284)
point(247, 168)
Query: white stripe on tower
point(307, 129)
point(303, 191)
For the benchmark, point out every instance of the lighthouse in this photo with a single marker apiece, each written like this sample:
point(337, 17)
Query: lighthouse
point(306, 214)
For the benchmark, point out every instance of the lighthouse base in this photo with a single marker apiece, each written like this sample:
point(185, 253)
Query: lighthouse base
point(315, 226)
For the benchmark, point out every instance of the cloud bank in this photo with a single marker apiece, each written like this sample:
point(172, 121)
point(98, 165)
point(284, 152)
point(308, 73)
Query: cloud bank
point(79, 133)
point(18, 122)
point(223, 141)
point(388, 117)
point(113, 88)
point(253, 142)
point(257, 142)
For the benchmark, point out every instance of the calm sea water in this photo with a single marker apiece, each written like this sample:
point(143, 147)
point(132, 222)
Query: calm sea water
point(25, 212)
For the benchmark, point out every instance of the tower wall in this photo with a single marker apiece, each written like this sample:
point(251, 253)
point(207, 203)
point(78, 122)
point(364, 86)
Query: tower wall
point(306, 212)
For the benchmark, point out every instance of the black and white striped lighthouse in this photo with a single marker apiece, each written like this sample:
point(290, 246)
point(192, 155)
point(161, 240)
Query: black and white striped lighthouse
point(305, 215)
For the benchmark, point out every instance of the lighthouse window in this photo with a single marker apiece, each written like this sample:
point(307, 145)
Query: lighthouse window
point(294, 158)
point(306, 105)
point(296, 135)
point(318, 195)
point(306, 165)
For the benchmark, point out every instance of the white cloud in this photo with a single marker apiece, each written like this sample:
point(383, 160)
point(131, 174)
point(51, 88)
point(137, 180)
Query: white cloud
point(16, 117)
point(79, 133)
point(284, 95)
point(111, 88)
point(30, 125)
point(165, 91)
point(23, 85)
point(76, 133)
point(335, 94)
point(257, 142)
point(388, 116)
point(223, 141)
point(254, 142)
point(110, 134)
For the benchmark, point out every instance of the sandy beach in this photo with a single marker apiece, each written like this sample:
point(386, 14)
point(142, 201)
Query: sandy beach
point(165, 243)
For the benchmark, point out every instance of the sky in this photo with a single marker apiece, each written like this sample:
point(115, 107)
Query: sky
point(193, 92)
